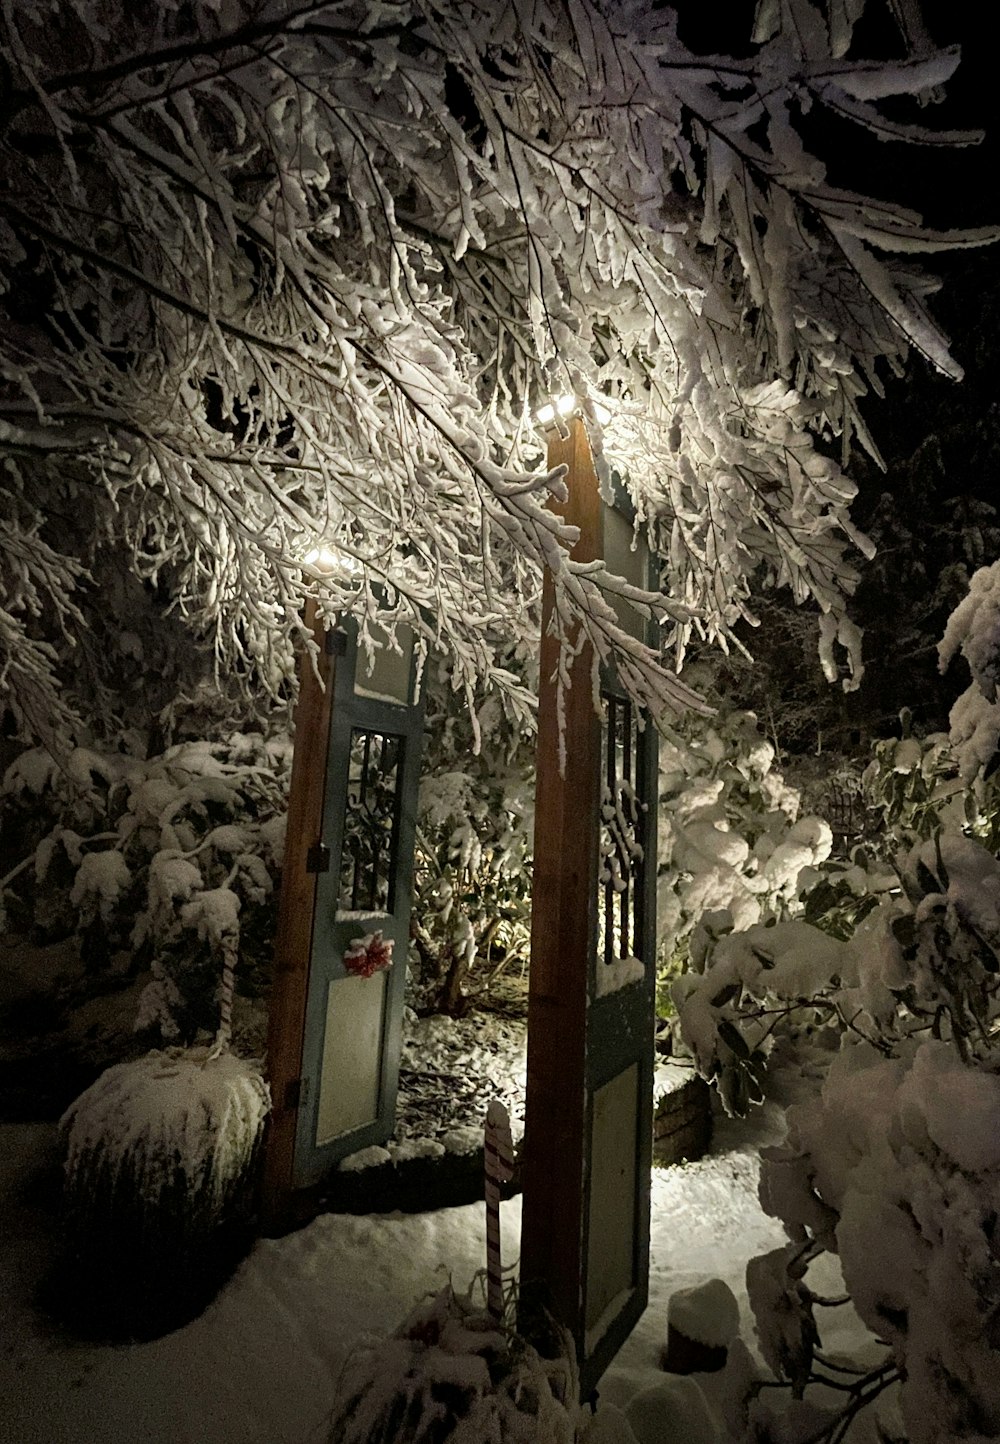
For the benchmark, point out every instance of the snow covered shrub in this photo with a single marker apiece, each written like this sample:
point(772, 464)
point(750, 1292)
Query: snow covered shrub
point(894, 1168)
point(913, 785)
point(923, 958)
point(452, 1375)
point(910, 786)
point(174, 858)
point(730, 836)
point(974, 631)
point(159, 1183)
point(911, 790)
point(472, 883)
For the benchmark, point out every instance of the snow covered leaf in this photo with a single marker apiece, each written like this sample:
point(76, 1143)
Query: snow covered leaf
point(100, 880)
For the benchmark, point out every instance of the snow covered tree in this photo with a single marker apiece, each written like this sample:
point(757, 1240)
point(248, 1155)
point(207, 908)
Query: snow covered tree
point(173, 860)
point(280, 275)
point(933, 520)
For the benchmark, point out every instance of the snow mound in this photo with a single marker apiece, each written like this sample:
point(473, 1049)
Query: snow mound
point(608, 1426)
point(672, 1412)
point(707, 1313)
point(372, 1157)
point(463, 1140)
point(412, 1148)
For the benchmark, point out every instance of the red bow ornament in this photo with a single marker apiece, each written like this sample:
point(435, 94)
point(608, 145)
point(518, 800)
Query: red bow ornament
point(367, 955)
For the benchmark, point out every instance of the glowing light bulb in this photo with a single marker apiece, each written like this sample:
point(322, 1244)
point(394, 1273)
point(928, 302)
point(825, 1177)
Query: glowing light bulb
point(560, 406)
point(331, 561)
point(564, 406)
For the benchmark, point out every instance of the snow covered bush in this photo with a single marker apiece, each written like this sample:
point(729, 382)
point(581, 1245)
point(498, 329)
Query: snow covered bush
point(159, 1185)
point(974, 631)
point(191, 1113)
point(173, 859)
point(894, 1167)
point(912, 786)
point(730, 837)
point(908, 791)
point(471, 913)
point(923, 958)
point(452, 1375)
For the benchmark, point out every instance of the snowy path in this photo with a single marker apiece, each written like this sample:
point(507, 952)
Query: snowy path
point(260, 1365)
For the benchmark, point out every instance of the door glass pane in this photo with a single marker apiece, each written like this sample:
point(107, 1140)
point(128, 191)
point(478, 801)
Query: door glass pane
point(351, 1069)
point(389, 679)
point(611, 1230)
point(371, 822)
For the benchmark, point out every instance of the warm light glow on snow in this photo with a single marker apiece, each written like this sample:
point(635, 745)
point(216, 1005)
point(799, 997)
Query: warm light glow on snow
point(561, 406)
point(330, 560)
point(565, 406)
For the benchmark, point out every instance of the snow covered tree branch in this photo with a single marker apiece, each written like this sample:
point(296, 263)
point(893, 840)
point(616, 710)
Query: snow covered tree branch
point(288, 274)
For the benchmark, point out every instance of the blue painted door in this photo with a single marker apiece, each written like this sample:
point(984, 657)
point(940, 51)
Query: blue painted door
point(354, 1008)
point(620, 1017)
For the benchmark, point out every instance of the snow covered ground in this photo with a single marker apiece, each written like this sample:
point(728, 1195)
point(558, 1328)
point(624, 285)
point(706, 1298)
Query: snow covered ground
point(260, 1365)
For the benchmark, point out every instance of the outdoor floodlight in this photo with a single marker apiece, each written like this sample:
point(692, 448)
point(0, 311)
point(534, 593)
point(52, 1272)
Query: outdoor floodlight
point(565, 406)
point(331, 561)
point(560, 406)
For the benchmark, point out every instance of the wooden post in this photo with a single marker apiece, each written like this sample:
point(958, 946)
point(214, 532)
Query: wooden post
point(296, 909)
point(563, 925)
point(498, 1158)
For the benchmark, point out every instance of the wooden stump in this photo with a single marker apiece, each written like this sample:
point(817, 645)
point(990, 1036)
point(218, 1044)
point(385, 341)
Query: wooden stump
point(701, 1324)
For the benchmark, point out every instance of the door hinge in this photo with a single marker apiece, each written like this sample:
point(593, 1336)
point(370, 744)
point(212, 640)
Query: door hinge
point(296, 1092)
point(318, 858)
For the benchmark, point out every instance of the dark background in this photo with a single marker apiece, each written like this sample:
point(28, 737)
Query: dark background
point(935, 510)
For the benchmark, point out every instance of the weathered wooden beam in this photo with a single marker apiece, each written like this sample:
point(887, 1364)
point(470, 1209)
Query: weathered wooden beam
point(563, 927)
point(296, 911)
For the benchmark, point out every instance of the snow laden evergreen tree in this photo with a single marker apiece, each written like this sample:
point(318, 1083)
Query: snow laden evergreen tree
point(160, 1151)
point(280, 275)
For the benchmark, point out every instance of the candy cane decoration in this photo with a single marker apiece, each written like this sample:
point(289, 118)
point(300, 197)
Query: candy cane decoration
point(224, 1036)
point(499, 1158)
